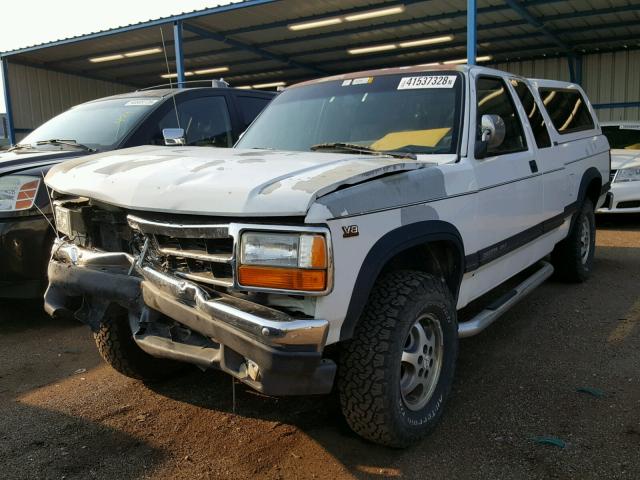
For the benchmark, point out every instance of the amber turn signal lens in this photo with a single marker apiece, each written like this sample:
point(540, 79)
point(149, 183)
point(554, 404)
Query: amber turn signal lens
point(282, 278)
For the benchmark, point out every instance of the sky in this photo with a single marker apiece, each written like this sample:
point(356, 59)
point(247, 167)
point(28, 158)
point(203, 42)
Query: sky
point(30, 22)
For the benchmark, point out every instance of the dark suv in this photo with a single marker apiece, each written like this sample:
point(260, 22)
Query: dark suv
point(208, 116)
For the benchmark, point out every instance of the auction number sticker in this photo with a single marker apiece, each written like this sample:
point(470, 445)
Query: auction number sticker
point(427, 81)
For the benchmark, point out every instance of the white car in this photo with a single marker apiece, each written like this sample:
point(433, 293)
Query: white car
point(624, 139)
point(336, 242)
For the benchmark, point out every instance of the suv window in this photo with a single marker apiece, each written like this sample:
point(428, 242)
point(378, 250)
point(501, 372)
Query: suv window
point(533, 113)
point(250, 107)
point(567, 109)
point(494, 99)
point(205, 121)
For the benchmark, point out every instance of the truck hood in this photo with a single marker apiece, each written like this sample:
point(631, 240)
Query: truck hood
point(19, 160)
point(621, 158)
point(217, 181)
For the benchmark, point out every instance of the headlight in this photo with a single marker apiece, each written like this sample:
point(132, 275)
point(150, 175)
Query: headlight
point(18, 192)
point(283, 261)
point(628, 175)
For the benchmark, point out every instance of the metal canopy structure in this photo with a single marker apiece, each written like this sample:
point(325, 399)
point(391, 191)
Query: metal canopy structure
point(267, 42)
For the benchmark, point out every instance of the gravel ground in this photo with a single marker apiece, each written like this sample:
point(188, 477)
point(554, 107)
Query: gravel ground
point(66, 415)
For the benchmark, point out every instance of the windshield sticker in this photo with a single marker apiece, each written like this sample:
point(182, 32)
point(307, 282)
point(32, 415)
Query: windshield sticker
point(144, 102)
point(346, 83)
point(427, 81)
point(362, 81)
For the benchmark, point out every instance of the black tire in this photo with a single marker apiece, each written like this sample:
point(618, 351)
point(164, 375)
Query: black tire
point(118, 348)
point(370, 367)
point(568, 258)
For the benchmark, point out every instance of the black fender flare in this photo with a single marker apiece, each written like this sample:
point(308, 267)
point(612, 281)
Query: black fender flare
point(592, 173)
point(387, 247)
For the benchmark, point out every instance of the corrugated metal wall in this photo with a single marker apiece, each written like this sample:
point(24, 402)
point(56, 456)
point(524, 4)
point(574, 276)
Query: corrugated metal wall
point(606, 77)
point(38, 95)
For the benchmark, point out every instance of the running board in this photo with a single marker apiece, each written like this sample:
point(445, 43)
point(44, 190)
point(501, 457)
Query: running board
point(496, 309)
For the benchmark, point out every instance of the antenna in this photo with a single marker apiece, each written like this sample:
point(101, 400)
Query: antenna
point(166, 61)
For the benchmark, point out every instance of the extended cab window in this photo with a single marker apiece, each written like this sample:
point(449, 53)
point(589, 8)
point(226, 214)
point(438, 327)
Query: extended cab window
point(568, 110)
point(533, 113)
point(413, 112)
point(494, 99)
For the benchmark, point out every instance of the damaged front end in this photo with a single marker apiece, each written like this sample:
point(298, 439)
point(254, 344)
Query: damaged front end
point(176, 280)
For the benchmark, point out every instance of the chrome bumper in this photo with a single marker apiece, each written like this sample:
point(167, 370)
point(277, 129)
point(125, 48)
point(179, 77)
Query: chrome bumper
point(184, 301)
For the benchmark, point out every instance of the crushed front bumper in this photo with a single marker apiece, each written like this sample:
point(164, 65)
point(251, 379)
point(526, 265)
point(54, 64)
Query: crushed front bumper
point(263, 347)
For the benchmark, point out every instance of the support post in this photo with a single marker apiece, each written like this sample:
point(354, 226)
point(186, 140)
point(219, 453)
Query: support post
point(579, 69)
point(472, 11)
point(177, 42)
point(7, 100)
point(572, 69)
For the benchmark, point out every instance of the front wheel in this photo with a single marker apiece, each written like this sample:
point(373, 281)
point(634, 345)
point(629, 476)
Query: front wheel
point(573, 257)
point(396, 373)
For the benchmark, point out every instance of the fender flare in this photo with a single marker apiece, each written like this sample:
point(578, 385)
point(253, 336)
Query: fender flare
point(387, 247)
point(588, 176)
point(592, 173)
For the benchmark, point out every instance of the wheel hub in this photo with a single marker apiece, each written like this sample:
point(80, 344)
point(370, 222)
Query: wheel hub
point(421, 362)
point(585, 239)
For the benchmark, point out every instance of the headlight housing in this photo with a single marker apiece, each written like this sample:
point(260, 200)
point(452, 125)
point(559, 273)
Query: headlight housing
point(294, 262)
point(628, 175)
point(18, 192)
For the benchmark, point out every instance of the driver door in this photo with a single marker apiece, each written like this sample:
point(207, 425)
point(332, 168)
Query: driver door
point(509, 198)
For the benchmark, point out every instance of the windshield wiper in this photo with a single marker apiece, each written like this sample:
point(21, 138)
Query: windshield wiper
point(352, 147)
point(20, 146)
point(68, 143)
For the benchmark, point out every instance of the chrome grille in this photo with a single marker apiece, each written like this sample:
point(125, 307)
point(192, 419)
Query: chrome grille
point(197, 252)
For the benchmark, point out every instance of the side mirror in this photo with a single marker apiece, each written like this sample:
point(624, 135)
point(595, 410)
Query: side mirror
point(493, 132)
point(174, 136)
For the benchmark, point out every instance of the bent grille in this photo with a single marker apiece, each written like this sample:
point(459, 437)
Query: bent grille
point(198, 252)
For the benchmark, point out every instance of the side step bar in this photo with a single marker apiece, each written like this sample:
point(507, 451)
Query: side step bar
point(490, 314)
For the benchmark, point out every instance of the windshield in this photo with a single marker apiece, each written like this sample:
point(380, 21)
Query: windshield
point(623, 136)
point(412, 112)
point(99, 125)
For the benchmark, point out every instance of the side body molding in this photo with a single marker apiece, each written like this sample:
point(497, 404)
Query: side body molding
point(387, 247)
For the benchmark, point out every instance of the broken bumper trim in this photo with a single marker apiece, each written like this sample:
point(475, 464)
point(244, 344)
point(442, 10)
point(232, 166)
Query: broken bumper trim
point(288, 351)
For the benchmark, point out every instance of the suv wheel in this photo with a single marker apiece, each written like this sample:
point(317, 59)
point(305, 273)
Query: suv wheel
point(396, 373)
point(573, 257)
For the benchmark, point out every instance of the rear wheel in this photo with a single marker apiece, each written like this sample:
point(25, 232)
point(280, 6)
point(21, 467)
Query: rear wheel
point(396, 373)
point(573, 257)
point(117, 347)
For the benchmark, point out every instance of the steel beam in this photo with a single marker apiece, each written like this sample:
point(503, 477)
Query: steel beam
point(7, 100)
point(524, 13)
point(179, 52)
point(472, 30)
point(251, 48)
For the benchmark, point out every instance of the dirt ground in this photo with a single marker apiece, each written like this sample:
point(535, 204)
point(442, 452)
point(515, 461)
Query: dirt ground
point(66, 415)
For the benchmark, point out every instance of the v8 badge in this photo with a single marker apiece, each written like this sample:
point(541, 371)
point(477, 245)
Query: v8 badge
point(350, 231)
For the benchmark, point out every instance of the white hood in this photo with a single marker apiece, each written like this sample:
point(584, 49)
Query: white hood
point(622, 158)
point(217, 181)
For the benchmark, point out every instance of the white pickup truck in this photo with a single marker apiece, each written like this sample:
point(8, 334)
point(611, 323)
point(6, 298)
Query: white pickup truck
point(336, 243)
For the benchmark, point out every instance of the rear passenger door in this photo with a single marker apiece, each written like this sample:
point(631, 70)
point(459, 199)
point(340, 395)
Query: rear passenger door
point(550, 163)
